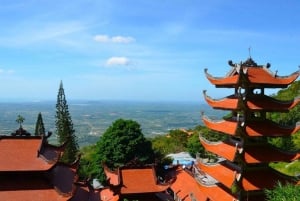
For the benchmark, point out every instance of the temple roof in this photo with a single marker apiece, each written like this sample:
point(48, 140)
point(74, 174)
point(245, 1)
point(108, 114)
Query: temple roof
point(186, 186)
point(216, 193)
point(55, 185)
point(135, 180)
point(261, 153)
point(222, 172)
point(27, 154)
point(253, 75)
point(254, 102)
point(253, 128)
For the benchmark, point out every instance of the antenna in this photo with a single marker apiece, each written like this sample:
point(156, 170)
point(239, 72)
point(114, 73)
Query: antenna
point(249, 50)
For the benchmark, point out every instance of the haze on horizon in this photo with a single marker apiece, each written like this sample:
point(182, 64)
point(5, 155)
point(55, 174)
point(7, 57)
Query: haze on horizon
point(139, 50)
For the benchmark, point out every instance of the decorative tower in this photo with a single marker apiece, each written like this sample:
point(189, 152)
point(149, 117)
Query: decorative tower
point(243, 171)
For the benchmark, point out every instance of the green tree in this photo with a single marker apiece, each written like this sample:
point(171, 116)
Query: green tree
point(64, 127)
point(288, 192)
point(20, 119)
point(39, 126)
point(194, 146)
point(121, 143)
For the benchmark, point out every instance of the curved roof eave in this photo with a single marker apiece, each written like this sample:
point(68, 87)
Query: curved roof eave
point(221, 148)
point(220, 172)
point(224, 126)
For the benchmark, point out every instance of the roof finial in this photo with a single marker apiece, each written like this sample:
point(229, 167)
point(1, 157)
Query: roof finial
point(249, 50)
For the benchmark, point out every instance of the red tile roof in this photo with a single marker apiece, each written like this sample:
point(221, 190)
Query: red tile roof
point(253, 128)
point(185, 185)
point(267, 153)
point(255, 75)
point(24, 154)
point(140, 181)
point(217, 193)
point(223, 149)
point(254, 102)
point(135, 180)
point(29, 186)
point(252, 179)
point(221, 172)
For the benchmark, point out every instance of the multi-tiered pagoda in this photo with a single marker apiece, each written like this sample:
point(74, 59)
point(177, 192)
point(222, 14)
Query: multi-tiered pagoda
point(243, 171)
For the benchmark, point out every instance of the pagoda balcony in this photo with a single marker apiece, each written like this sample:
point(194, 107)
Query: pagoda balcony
point(252, 77)
point(253, 128)
point(253, 102)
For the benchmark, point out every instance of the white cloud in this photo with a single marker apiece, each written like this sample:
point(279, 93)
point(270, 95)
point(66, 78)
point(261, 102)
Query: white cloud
point(118, 61)
point(3, 71)
point(113, 39)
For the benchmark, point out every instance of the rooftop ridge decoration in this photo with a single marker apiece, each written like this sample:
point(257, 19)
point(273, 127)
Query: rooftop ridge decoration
point(247, 128)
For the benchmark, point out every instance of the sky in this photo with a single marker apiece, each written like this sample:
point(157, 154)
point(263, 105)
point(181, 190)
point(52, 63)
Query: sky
point(142, 50)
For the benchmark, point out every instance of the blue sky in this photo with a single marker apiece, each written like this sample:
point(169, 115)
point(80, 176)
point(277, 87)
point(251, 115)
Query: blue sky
point(138, 49)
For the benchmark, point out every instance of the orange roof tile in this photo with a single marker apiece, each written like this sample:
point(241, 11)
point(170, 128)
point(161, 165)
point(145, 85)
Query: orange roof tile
point(140, 180)
point(223, 149)
point(24, 154)
point(264, 76)
point(253, 128)
point(228, 103)
point(112, 176)
point(221, 172)
point(184, 185)
point(269, 128)
point(267, 153)
point(217, 193)
point(255, 75)
point(29, 186)
point(253, 102)
point(266, 103)
point(32, 195)
point(224, 126)
point(252, 179)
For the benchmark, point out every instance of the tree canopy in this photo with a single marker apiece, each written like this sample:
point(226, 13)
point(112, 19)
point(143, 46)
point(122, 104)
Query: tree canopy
point(39, 126)
point(121, 143)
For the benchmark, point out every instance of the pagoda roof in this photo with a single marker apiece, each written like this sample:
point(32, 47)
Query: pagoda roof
point(217, 192)
point(252, 179)
point(223, 149)
point(58, 184)
point(260, 153)
point(222, 172)
point(186, 185)
point(253, 102)
point(267, 153)
point(130, 180)
point(30, 153)
point(252, 128)
point(254, 75)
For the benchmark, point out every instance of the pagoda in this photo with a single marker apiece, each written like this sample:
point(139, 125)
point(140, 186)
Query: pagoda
point(242, 171)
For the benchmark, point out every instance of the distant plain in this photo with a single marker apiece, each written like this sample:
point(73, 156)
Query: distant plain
point(92, 118)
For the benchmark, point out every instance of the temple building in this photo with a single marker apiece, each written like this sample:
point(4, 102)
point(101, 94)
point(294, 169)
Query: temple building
point(30, 171)
point(242, 171)
point(136, 183)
